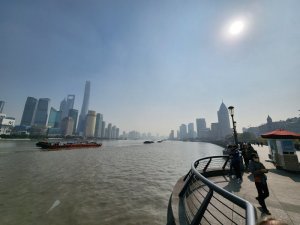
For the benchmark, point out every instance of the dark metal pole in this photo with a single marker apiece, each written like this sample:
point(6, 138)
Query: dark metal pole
point(231, 108)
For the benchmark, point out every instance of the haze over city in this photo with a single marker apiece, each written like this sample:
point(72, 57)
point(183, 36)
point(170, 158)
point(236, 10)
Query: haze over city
point(154, 65)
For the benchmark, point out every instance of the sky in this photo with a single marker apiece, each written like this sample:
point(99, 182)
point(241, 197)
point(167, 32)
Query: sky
point(154, 65)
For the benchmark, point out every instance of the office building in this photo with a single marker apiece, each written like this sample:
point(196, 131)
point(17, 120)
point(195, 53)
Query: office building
point(54, 118)
point(183, 132)
point(117, 133)
point(66, 105)
point(74, 114)
point(41, 114)
point(202, 130)
point(109, 129)
point(90, 124)
point(172, 136)
point(191, 131)
point(103, 129)
point(98, 128)
point(67, 126)
point(84, 108)
point(223, 120)
point(1, 106)
point(29, 112)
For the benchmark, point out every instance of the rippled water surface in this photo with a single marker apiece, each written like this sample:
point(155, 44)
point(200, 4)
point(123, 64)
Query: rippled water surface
point(123, 182)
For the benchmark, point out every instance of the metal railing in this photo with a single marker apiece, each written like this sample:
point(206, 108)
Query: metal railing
point(204, 202)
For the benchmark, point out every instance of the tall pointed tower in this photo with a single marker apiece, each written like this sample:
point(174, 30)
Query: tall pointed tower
point(84, 108)
point(223, 120)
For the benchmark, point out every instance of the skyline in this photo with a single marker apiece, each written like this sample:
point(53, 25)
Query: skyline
point(153, 65)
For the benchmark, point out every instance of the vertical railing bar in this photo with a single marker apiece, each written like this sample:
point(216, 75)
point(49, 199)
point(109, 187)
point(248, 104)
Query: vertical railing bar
point(202, 208)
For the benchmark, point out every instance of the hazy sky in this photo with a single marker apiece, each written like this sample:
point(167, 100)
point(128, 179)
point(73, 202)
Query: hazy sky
point(153, 64)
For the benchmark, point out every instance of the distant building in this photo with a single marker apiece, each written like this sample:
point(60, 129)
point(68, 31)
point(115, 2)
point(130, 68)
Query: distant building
point(215, 131)
point(29, 112)
point(103, 129)
point(66, 105)
point(224, 123)
point(1, 106)
point(109, 131)
point(191, 131)
point(113, 132)
point(84, 108)
point(183, 132)
point(41, 114)
point(90, 124)
point(98, 126)
point(117, 133)
point(54, 118)
point(6, 124)
point(74, 114)
point(172, 136)
point(67, 126)
point(202, 130)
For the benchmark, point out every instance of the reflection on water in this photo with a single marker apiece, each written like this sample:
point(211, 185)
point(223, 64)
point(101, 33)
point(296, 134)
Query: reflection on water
point(123, 182)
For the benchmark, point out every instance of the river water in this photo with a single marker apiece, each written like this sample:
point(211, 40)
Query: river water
point(121, 183)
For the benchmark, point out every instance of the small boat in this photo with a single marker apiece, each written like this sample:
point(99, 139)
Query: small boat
point(52, 146)
point(148, 142)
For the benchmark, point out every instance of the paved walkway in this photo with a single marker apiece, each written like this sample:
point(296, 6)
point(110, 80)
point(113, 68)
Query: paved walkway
point(284, 188)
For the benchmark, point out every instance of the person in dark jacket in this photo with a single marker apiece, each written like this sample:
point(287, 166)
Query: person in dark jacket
point(236, 163)
point(258, 170)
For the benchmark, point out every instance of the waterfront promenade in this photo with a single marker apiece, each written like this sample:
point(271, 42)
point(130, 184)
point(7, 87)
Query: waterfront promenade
point(284, 188)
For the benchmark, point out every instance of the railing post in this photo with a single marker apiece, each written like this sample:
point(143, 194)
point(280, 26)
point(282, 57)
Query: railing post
point(225, 163)
point(203, 208)
point(187, 183)
point(205, 168)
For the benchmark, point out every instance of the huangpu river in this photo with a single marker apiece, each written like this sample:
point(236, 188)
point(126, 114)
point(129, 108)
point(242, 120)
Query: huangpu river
point(123, 182)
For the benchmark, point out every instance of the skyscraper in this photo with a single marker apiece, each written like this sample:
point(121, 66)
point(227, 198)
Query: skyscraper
point(54, 118)
point(84, 108)
point(182, 132)
point(41, 114)
point(1, 106)
point(90, 124)
point(202, 131)
point(29, 111)
point(74, 114)
point(66, 105)
point(191, 131)
point(98, 128)
point(223, 120)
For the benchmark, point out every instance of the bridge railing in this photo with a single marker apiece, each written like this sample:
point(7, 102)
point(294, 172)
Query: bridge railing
point(205, 202)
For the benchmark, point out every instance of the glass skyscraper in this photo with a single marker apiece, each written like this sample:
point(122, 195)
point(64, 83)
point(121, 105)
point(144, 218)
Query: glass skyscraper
point(98, 128)
point(54, 118)
point(66, 105)
point(41, 115)
point(29, 111)
point(84, 108)
point(74, 114)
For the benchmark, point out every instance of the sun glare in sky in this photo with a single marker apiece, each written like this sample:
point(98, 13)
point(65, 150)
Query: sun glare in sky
point(236, 27)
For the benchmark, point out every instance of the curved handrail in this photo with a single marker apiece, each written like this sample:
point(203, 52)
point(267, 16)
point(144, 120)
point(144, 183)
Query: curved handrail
point(196, 175)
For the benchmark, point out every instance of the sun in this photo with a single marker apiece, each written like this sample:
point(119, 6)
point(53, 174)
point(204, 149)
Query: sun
point(236, 28)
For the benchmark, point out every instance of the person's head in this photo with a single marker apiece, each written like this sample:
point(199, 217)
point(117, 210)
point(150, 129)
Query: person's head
point(271, 221)
point(255, 157)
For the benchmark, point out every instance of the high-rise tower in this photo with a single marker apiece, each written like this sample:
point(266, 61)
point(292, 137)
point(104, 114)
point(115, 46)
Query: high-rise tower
point(66, 105)
point(223, 120)
point(84, 108)
point(41, 114)
point(29, 111)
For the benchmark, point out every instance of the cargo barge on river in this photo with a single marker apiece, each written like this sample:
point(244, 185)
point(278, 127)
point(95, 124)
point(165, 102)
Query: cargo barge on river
point(53, 146)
